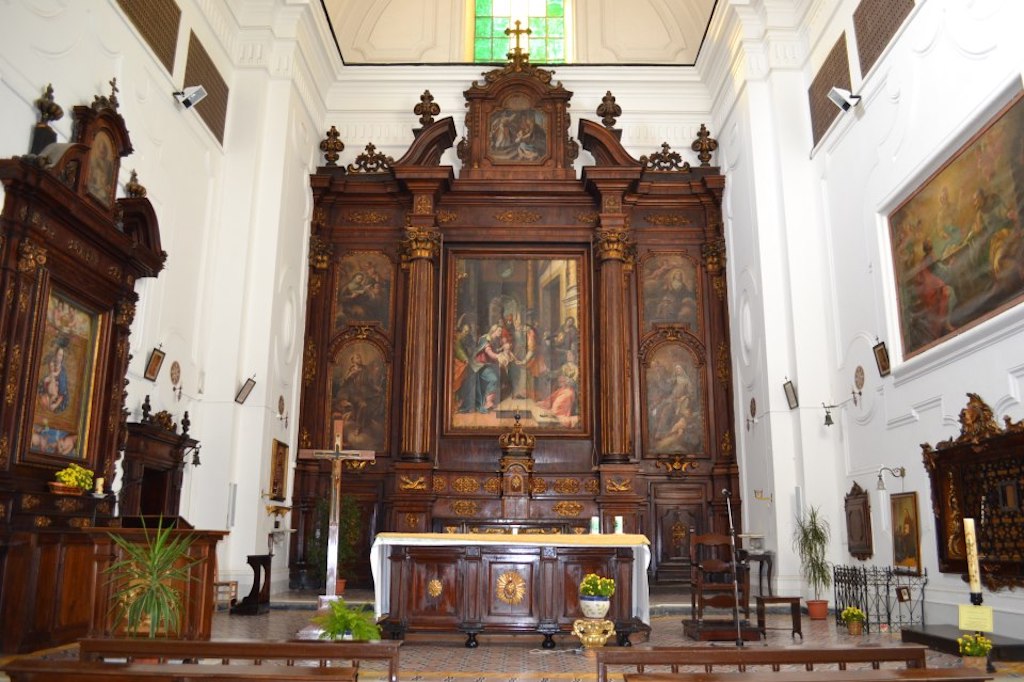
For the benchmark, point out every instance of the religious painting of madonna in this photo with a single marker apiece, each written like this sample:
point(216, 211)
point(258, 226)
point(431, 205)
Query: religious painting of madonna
point(517, 343)
point(957, 242)
point(364, 290)
point(64, 383)
point(359, 390)
point(674, 397)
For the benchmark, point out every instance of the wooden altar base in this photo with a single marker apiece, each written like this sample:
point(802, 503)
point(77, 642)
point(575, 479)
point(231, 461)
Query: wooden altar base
point(943, 638)
point(720, 631)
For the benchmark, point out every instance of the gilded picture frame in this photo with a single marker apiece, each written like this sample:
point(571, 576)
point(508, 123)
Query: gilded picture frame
point(906, 533)
point(65, 379)
point(517, 342)
point(957, 243)
point(278, 471)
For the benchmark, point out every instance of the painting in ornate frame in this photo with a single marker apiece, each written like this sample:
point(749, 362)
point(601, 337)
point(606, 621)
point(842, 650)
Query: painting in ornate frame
point(61, 409)
point(517, 132)
point(906, 533)
point(363, 294)
point(957, 246)
point(359, 388)
point(153, 365)
point(858, 523)
point(518, 342)
point(670, 290)
point(674, 416)
point(279, 471)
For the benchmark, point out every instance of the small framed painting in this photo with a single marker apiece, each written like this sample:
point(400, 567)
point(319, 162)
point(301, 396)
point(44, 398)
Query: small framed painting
point(906, 536)
point(278, 471)
point(153, 365)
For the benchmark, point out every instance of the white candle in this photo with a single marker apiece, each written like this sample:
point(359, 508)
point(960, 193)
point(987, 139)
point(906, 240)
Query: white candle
point(971, 540)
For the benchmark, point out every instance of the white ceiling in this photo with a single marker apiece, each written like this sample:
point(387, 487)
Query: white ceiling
point(607, 32)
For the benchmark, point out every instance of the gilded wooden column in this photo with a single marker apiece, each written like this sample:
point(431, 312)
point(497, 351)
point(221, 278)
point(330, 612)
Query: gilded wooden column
point(420, 250)
point(614, 262)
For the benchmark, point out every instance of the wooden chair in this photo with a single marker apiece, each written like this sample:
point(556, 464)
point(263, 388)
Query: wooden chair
point(711, 576)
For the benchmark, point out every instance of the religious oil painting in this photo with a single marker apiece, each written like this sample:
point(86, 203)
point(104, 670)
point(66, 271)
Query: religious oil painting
point(359, 395)
point(517, 343)
point(669, 284)
point(102, 167)
point(517, 132)
point(906, 545)
point(958, 246)
point(279, 471)
point(364, 290)
point(674, 395)
point(64, 383)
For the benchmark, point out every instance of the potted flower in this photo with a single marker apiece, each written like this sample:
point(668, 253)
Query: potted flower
point(595, 595)
point(854, 619)
point(72, 480)
point(341, 621)
point(974, 650)
point(811, 535)
point(149, 580)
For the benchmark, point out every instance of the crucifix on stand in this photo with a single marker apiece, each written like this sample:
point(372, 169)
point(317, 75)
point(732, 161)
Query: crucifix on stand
point(338, 457)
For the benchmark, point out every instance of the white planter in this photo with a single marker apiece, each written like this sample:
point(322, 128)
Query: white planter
point(594, 607)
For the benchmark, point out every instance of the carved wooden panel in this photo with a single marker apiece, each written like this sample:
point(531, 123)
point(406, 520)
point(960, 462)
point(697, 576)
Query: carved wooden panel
point(858, 523)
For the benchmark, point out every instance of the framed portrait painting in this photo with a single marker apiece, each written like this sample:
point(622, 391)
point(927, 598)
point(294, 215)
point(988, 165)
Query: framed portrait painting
point(517, 342)
point(153, 365)
point(278, 471)
point(64, 381)
point(906, 535)
point(957, 243)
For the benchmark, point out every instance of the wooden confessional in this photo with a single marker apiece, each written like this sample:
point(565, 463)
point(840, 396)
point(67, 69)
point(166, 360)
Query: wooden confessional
point(443, 309)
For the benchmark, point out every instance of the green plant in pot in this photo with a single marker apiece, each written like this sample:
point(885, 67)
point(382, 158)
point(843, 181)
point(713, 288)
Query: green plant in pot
point(811, 537)
point(341, 621)
point(349, 529)
point(147, 582)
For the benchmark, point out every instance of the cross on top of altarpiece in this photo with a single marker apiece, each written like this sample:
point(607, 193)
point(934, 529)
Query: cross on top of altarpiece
point(517, 56)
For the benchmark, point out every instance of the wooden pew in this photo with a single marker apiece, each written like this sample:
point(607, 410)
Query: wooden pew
point(129, 659)
point(819, 675)
point(831, 658)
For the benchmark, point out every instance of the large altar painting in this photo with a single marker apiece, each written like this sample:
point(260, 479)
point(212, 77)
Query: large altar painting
point(64, 383)
point(958, 249)
point(675, 402)
point(517, 343)
point(359, 390)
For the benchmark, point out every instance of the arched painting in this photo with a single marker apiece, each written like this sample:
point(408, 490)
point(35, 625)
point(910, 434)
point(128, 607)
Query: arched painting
point(517, 344)
point(675, 402)
point(359, 390)
point(102, 168)
point(669, 284)
point(364, 290)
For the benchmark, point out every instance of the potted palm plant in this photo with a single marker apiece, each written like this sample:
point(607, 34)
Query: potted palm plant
point(341, 621)
point(147, 581)
point(811, 536)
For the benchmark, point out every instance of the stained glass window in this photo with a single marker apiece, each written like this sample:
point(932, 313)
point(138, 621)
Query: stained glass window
point(546, 20)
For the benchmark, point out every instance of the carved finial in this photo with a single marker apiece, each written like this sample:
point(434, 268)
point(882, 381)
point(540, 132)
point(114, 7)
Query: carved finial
point(609, 110)
point(516, 56)
point(103, 102)
point(665, 160)
point(427, 109)
point(49, 110)
point(146, 407)
point(331, 146)
point(371, 161)
point(185, 423)
point(704, 145)
point(133, 189)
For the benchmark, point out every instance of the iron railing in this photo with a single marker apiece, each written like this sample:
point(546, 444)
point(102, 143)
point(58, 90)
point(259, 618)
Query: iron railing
point(891, 599)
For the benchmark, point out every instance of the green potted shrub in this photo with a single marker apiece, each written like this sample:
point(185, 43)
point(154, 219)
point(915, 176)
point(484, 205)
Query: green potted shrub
point(147, 592)
point(811, 537)
point(341, 621)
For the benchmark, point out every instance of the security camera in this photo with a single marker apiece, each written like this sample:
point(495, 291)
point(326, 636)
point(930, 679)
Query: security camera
point(191, 96)
point(844, 99)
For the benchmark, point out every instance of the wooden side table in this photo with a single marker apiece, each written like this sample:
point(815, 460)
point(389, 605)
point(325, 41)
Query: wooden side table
point(794, 610)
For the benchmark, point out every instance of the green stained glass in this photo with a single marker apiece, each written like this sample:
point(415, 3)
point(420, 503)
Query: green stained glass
point(537, 25)
point(546, 42)
point(482, 50)
point(538, 52)
point(556, 51)
point(499, 25)
point(483, 8)
point(556, 27)
point(483, 27)
point(555, 8)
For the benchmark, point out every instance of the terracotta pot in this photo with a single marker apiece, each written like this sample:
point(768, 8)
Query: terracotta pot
point(817, 609)
point(975, 662)
point(339, 585)
point(855, 627)
point(58, 488)
point(594, 607)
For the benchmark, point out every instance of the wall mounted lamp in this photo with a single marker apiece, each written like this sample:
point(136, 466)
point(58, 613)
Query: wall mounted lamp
point(195, 454)
point(854, 398)
point(844, 99)
point(190, 96)
point(898, 472)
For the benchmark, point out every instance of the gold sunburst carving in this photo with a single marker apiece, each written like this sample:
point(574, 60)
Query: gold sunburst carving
point(434, 588)
point(511, 588)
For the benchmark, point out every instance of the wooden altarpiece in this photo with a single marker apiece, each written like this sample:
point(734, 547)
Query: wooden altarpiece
point(590, 311)
point(70, 254)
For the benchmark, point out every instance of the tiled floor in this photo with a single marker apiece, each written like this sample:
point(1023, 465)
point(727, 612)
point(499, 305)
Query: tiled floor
point(520, 658)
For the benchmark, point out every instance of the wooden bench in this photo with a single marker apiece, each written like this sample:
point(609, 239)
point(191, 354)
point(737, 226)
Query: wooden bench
point(831, 658)
point(177, 659)
point(887, 675)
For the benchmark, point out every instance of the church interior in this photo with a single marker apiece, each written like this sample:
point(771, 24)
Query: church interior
point(306, 276)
